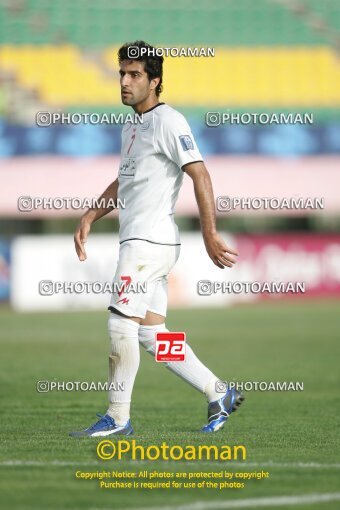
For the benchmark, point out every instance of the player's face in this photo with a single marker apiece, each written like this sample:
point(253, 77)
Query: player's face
point(135, 86)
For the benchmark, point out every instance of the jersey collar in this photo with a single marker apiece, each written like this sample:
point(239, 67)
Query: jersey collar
point(150, 109)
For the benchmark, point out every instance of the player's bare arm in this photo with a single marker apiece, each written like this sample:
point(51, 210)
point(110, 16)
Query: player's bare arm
point(217, 249)
point(92, 215)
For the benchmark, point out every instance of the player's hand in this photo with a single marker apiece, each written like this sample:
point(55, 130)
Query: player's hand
point(80, 238)
point(219, 252)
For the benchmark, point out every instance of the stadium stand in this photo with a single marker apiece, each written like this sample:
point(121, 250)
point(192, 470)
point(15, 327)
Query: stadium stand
point(222, 22)
point(273, 53)
point(63, 76)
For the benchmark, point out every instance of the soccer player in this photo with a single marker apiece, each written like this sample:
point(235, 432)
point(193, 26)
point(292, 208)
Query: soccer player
point(155, 154)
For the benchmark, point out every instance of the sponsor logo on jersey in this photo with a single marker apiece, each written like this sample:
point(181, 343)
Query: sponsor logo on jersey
point(127, 167)
point(186, 142)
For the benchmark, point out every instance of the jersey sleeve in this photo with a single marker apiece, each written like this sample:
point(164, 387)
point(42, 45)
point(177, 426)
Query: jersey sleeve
point(174, 139)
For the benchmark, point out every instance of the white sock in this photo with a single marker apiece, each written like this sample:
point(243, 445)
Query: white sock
point(124, 361)
point(191, 370)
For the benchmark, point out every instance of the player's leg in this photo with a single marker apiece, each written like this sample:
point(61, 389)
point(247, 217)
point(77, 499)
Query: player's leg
point(221, 400)
point(191, 370)
point(123, 366)
point(128, 308)
point(124, 363)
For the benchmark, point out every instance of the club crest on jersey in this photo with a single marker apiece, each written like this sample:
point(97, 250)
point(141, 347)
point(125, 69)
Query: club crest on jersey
point(145, 126)
point(186, 142)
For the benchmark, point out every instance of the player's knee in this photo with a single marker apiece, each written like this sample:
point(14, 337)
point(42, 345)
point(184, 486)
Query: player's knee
point(122, 329)
point(147, 336)
point(147, 343)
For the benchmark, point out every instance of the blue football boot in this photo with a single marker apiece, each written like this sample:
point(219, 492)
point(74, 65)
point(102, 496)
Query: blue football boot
point(220, 410)
point(104, 427)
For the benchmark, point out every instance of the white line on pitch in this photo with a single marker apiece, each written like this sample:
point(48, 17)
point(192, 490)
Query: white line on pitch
point(247, 503)
point(268, 464)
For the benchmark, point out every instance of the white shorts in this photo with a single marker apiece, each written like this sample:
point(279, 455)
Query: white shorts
point(141, 280)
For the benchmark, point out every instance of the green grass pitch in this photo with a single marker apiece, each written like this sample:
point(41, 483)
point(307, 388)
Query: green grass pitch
point(293, 435)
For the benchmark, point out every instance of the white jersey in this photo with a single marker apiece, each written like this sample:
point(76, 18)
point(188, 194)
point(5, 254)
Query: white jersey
point(150, 174)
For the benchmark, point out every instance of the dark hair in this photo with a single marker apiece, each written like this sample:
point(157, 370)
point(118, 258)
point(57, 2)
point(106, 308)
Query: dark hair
point(153, 63)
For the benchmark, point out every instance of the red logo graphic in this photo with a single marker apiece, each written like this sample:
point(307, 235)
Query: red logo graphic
point(170, 346)
point(132, 139)
point(126, 281)
point(124, 301)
